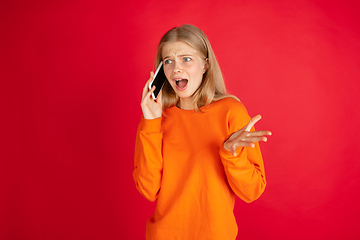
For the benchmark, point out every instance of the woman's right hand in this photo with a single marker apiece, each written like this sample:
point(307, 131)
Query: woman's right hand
point(151, 108)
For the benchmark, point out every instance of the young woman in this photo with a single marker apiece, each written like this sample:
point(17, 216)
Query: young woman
point(196, 147)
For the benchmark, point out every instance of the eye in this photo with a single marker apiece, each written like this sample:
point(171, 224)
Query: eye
point(167, 61)
point(187, 59)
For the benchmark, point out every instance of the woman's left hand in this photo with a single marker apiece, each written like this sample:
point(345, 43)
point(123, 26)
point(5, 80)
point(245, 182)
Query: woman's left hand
point(245, 138)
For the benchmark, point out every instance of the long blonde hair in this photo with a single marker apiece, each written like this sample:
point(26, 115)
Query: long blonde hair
point(212, 87)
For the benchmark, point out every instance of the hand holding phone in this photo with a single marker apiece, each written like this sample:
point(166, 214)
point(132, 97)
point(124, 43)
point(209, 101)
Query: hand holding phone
point(158, 81)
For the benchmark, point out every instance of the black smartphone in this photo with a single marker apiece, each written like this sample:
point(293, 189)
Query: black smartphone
point(158, 80)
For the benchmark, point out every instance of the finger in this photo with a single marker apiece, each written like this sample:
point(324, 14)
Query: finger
point(252, 122)
point(243, 144)
point(249, 137)
point(251, 140)
point(146, 88)
point(258, 133)
point(147, 97)
point(233, 151)
point(254, 139)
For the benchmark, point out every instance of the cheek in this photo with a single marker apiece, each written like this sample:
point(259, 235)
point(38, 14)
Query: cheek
point(167, 72)
point(168, 76)
point(196, 72)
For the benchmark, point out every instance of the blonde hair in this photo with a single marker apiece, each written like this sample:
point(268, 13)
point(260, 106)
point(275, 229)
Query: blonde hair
point(212, 87)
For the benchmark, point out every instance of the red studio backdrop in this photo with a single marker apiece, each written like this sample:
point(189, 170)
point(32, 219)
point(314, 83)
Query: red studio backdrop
point(71, 78)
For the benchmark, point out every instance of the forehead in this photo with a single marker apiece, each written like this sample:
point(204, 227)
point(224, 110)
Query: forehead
point(177, 48)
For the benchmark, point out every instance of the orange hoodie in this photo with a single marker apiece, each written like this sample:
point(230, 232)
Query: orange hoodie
point(180, 162)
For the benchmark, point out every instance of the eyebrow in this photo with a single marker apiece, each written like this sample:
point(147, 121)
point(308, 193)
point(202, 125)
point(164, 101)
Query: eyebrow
point(182, 55)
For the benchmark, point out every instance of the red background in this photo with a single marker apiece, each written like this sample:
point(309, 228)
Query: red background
point(72, 74)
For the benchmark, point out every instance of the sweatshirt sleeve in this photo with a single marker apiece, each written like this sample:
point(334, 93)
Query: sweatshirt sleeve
point(245, 173)
point(148, 158)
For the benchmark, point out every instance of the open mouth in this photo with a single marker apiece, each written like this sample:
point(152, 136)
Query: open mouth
point(181, 84)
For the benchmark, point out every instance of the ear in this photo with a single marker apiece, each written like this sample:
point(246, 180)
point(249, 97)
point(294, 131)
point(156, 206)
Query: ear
point(206, 65)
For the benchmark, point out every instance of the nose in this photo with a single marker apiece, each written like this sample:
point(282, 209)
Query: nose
point(177, 67)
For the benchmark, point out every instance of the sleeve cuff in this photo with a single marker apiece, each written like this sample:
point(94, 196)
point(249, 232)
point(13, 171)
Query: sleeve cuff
point(151, 125)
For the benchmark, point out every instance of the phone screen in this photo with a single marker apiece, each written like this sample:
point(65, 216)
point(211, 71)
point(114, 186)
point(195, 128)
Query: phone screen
point(158, 81)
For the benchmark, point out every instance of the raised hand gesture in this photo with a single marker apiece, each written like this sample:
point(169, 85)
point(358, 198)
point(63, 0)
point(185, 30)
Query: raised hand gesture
point(151, 108)
point(245, 138)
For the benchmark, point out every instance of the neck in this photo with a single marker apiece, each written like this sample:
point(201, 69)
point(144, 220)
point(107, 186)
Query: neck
point(186, 104)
